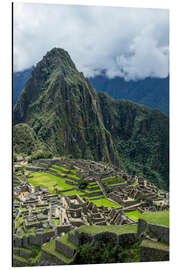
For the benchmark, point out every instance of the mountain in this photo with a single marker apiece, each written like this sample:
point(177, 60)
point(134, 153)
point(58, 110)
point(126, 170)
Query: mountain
point(70, 118)
point(152, 92)
point(19, 80)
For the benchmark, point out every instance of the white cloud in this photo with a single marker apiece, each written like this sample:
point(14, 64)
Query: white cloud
point(127, 42)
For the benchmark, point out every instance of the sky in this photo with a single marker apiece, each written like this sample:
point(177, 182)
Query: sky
point(132, 43)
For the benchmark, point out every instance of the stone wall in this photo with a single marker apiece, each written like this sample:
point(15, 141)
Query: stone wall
point(115, 198)
point(36, 239)
point(150, 254)
point(51, 258)
point(159, 231)
point(65, 249)
point(106, 236)
point(79, 238)
point(74, 238)
point(63, 229)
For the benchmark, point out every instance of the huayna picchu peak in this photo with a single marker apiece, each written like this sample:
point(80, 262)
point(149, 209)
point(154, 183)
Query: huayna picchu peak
point(69, 118)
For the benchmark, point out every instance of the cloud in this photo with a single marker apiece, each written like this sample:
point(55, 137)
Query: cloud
point(128, 42)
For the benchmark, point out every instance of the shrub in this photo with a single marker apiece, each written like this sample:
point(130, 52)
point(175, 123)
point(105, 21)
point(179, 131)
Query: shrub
point(82, 183)
point(40, 154)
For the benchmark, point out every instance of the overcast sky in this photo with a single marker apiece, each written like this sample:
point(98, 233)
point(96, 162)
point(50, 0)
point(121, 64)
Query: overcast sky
point(127, 42)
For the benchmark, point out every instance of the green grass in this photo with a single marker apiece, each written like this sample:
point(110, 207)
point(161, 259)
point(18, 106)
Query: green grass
point(48, 180)
point(135, 183)
point(21, 259)
point(106, 203)
point(116, 184)
point(119, 229)
point(93, 184)
point(72, 192)
point(109, 178)
point(134, 215)
point(113, 180)
point(36, 258)
point(73, 176)
point(57, 221)
point(18, 222)
point(50, 248)
point(64, 168)
point(157, 245)
point(64, 240)
point(58, 170)
point(160, 217)
point(92, 191)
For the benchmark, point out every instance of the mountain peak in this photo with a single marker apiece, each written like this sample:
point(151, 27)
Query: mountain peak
point(69, 117)
point(56, 57)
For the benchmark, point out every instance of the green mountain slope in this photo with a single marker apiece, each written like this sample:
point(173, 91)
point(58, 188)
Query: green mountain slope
point(71, 118)
point(152, 92)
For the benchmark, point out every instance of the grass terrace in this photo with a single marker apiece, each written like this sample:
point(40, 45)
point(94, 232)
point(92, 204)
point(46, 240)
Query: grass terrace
point(64, 240)
point(49, 247)
point(160, 217)
point(64, 169)
point(119, 229)
point(105, 202)
point(48, 180)
point(156, 245)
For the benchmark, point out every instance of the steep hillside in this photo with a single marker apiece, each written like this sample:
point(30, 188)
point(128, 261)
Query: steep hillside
point(19, 80)
point(71, 118)
point(140, 136)
point(152, 92)
point(60, 105)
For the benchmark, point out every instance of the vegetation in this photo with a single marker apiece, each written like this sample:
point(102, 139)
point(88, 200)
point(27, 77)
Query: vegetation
point(158, 245)
point(107, 252)
point(63, 113)
point(50, 248)
point(105, 202)
point(134, 215)
point(82, 184)
point(24, 139)
point(152, 92)
point(160, 217)
point(110, 228)
point(48, 180)
point(101, 253)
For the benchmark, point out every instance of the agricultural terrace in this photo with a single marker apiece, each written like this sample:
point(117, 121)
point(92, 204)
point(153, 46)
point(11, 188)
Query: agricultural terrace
point(160, 217)
point(66, 181)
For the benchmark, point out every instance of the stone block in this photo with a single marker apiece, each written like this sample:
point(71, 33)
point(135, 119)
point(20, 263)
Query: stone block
point(142, 226)
point(160, 232)
point(64, 249)
point(64, 228)
point(152, 253)
point(106, 237)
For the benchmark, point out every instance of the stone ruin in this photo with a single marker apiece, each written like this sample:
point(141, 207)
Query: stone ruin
point(84, 212)
point(143, 196)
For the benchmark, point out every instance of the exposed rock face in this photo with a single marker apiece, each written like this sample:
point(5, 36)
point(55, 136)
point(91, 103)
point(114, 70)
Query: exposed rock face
point(71, 118)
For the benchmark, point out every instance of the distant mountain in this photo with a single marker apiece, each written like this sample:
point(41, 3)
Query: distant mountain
point(152, 92)
point(19, 80)
point(59, 111)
